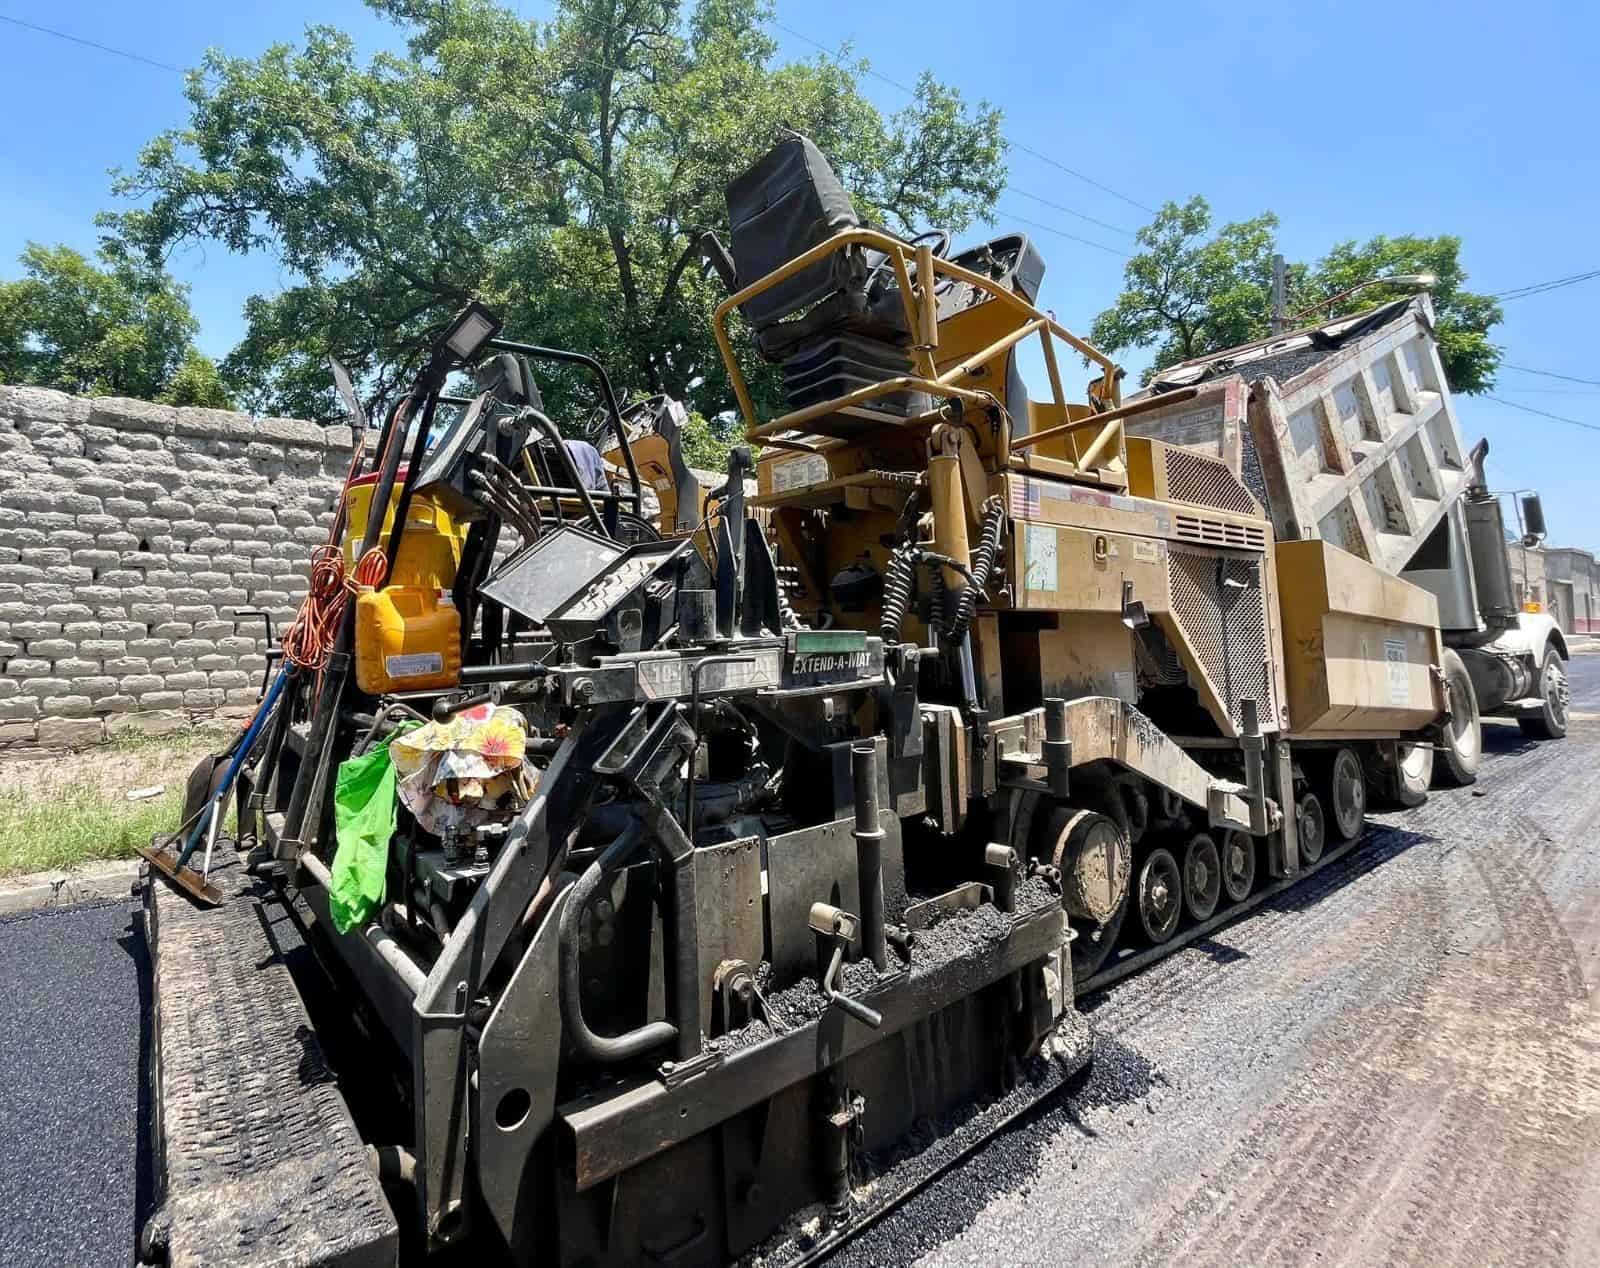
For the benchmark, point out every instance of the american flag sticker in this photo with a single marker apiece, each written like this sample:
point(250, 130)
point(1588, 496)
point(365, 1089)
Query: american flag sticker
point(1024, 499)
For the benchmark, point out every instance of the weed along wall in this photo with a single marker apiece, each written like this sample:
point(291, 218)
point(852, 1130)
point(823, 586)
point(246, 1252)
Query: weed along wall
point(129, 534)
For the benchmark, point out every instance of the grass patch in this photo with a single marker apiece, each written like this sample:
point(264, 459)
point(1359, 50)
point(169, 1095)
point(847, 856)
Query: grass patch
point(78, 823)
point(73, 809)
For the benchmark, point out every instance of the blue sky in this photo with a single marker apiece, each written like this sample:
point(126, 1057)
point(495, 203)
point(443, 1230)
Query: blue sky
point(1347, 120)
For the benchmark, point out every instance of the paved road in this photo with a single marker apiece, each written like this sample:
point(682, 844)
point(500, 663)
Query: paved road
point(71, 1100)
point(1398, 1064)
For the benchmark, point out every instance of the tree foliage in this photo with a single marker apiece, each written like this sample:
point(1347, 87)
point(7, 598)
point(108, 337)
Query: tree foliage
point(562, 171)
point(119, 328)
point(1190, 294)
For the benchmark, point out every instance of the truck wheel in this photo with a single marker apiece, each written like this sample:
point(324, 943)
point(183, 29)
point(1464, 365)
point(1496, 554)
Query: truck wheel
point(1456, 760)
point(1550, 723)
point(1310, 828)
point(1402, 784)
point(1342, 789)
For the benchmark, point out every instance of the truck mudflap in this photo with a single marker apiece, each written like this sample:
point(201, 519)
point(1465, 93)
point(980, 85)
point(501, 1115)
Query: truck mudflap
point(257, 1158)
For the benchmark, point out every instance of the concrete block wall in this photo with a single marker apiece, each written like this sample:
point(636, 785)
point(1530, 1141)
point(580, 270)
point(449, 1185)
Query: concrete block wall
point(129, 534)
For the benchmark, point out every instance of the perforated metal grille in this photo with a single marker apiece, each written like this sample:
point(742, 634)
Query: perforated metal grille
point(1193, 477)
point(1217, 602)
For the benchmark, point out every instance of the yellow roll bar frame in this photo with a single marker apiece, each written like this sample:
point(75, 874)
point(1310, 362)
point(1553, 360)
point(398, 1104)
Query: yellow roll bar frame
point(922, 320)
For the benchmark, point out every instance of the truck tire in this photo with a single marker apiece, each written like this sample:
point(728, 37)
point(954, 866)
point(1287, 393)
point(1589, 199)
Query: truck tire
point(1550, 723)
point(1412, 774)
point(1456, 760)
point(1403, 783)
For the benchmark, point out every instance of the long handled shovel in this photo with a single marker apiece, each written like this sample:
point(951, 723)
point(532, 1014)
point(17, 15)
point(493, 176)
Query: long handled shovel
point(174, 864)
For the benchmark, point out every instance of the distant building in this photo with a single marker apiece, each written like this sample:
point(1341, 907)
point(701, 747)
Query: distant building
point(1563, 580)
point(1572, 578)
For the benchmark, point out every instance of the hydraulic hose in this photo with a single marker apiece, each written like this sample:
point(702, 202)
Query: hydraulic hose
point(600, 1048)
point(897, 583)
point(994, 517)
point(952, 621)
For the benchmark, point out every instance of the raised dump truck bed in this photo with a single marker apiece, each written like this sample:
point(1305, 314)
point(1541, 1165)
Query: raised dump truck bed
point(1347, 431)
point(1347, 434)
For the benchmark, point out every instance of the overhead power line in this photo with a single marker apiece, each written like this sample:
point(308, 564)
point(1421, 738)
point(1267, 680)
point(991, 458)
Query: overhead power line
point(1010, 144)
point(1035, 224)
point(1551, 374)
point(1528, 409)
point(1539, 288)
point(104, 48)
point(301, 102)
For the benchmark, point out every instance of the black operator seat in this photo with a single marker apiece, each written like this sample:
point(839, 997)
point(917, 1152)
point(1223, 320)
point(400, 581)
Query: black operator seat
point(838, 324)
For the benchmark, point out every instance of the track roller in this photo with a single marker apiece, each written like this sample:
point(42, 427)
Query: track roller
point(1238, 853)
point(1311, 828)
point(1160, 896)
point(1202, 876)
point(1092, 853)
point(1341, 787)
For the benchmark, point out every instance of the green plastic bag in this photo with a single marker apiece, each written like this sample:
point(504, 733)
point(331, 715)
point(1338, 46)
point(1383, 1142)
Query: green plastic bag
point(363, 821)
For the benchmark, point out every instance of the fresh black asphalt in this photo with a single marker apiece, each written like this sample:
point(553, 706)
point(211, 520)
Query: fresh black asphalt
point(72, 1172)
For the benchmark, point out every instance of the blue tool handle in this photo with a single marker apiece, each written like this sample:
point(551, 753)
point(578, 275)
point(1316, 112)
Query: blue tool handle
point(239, 755)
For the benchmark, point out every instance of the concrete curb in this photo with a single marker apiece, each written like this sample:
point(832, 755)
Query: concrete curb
point(64, 888)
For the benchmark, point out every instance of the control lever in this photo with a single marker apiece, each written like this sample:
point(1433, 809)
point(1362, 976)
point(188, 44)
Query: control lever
point(445, 709)
point(835, 931)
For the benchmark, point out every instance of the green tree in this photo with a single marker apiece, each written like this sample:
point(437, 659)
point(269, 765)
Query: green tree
point(562, 171)
point(197, 381)
point(120, 328)
point(1189, 294)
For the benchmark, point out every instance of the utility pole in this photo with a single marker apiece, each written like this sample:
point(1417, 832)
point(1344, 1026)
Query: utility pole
point(1280, 320)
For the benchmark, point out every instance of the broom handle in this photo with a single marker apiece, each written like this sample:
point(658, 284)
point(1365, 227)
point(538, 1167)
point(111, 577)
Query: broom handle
point(242, 752)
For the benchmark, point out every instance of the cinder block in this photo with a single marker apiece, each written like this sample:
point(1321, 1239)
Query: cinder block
point(102, 648)
point(152, 722)
point(28, 631)
point(19, 709)
point(202, 699)
point(95, 687)
point(161, 700)
point(44, 688)
point(189, 680)
point(52, 648)
point(27, 667)
point(67, 707)
point(70, 732)
point(77, 668)
point(115, 704)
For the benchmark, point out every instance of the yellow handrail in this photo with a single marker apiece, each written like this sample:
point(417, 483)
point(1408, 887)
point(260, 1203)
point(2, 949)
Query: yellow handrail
point(918, 308)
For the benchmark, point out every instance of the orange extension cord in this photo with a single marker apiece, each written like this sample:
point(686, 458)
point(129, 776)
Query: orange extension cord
point(309, 640)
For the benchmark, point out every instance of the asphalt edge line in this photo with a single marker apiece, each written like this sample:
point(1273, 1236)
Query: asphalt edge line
point(69, 887)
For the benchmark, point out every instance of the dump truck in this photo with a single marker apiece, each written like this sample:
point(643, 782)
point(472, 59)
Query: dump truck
point(605, 895)
point(1346, 432)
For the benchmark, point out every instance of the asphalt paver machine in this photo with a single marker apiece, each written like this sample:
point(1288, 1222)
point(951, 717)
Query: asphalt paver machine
point(719, 887)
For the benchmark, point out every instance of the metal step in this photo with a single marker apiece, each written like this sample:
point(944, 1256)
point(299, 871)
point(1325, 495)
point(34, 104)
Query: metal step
point(258, 1159)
